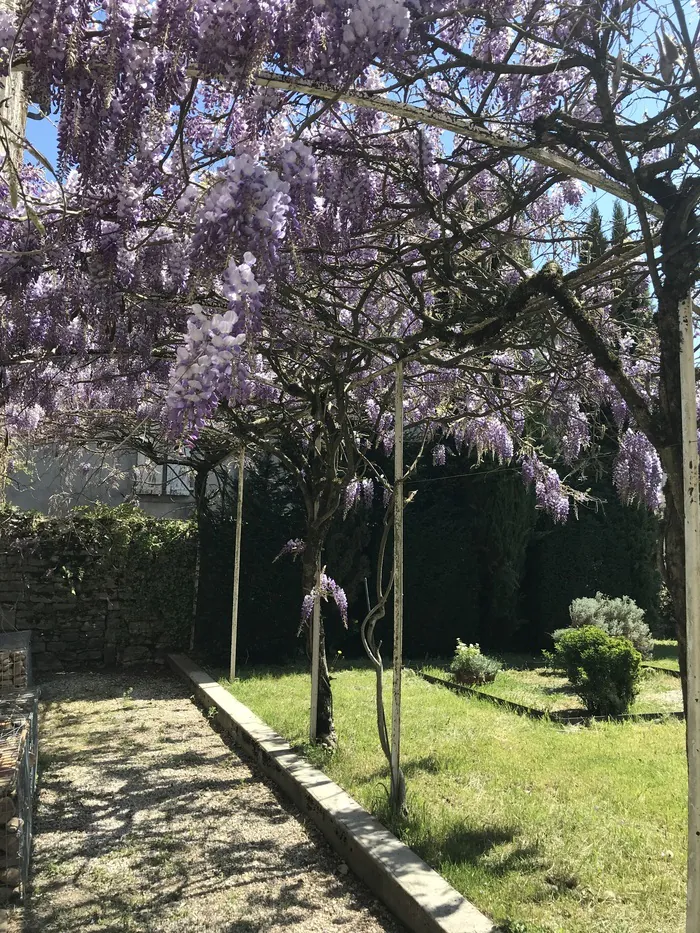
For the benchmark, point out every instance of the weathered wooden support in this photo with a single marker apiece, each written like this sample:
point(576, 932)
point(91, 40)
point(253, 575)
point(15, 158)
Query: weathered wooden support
point(237, 564)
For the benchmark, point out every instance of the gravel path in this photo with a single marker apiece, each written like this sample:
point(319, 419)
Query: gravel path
point(147, 822)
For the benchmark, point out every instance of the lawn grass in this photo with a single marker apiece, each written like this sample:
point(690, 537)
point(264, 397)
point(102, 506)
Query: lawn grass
point(665, 654)
point(553, 829)
point(545, 690)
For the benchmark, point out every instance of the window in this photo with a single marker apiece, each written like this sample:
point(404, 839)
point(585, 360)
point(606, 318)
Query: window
point(166, 479)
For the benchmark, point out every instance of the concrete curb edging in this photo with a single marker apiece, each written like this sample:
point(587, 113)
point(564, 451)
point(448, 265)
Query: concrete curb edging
point(412, 891)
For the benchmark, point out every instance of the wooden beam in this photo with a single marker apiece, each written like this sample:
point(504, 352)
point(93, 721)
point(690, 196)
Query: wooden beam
point(460, 127)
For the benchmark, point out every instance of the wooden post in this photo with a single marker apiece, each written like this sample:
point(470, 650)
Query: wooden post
point(396, 779)
point(237, 564)
point(13, 108)
point(200, 487)
point(691, 510)
point(195, 593)
point(315, 652)
point(13, 111)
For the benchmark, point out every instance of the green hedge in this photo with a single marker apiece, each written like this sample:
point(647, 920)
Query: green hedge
point(270, 594)
point(612, 550)
point(481, 563)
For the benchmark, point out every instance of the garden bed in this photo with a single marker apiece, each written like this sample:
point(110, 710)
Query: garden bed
point(538, 692)
point(537, 826)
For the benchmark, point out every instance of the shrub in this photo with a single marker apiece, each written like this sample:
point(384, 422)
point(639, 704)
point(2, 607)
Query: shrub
point(619, 617)
point(469, 665)
point(604, 670)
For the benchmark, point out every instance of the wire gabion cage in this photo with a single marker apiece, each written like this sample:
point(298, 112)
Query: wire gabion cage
point(15, 661)
point(19, 738)
point(18, 771)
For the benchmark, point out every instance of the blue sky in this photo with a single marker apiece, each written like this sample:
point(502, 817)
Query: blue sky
point(42, 135)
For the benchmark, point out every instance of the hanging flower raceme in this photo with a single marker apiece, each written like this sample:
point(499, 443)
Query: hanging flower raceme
point(8, 30)
point(486, 435)
point(549, 494)
point(206, 370)
point(373, 24)
point(637, 472)
point(294, 546)
point(328, 589)
point(246, 207)
point(299, 170)
point(571, 426)
point(358, 491)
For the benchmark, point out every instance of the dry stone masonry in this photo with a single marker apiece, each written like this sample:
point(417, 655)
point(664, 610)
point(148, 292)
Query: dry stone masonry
point(15, 662)
point(13, 669)
point(14, 826)
point(82, 609)
point(18, 767)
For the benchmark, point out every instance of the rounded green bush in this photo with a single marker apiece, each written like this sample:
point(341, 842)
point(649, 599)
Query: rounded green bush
point(604, 670)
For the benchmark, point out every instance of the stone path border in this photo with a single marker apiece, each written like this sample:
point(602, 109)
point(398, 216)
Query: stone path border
point(561, 717)
point(413, 891)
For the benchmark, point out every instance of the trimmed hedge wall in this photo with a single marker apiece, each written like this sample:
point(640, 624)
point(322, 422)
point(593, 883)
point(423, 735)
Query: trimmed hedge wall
point(613, 550)
point(481, 564)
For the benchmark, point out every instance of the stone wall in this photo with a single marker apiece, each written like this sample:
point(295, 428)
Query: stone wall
point(83, 607)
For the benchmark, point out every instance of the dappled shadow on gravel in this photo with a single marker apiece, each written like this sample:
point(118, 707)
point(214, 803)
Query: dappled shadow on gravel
point(148, 823)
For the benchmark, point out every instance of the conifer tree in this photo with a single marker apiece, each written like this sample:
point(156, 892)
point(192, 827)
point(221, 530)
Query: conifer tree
point(631, 303)
point(594, 243)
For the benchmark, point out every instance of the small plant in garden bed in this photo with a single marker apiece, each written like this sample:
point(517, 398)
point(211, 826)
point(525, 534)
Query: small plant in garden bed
point(603, 670)
point(470, 666)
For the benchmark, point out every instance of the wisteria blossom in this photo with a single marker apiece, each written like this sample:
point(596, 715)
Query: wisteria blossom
point(637, 471)
point(549, 495)
point(328, 589)
point(294, 547)
point(358, 491)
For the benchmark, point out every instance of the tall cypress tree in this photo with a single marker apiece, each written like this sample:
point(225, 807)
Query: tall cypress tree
point(620, 231)
point(594, 243)
point(631, 302)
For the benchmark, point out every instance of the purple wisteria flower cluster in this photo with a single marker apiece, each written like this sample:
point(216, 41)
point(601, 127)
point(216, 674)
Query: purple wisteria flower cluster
point(328, 589)
point(295, 547)
point(358, 491)
point(549, 495)
point(439, 455)
point(246, 205)
point(206, 371)
point(370, 23)
point(637, 472)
